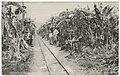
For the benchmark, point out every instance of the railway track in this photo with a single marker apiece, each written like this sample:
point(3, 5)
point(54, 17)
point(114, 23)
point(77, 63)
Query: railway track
point(54, 66)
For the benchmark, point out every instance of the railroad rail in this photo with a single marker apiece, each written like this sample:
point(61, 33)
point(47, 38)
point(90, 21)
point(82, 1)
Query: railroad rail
point(44, 57)
point(49, 71)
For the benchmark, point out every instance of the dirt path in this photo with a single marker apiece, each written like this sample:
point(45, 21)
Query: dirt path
point(38, 65)
point(44, 63)
point(71, 64)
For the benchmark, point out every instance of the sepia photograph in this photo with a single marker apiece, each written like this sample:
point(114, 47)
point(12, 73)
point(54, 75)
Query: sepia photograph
point(60, 38)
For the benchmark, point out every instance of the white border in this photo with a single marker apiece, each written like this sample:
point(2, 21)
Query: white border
point(57, 1)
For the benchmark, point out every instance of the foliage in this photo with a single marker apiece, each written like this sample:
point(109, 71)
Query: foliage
point(97, 32)
point(15, 50)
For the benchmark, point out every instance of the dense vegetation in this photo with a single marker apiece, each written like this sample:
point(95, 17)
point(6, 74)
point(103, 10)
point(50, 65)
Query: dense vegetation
point(93, 34)
point(16, 53)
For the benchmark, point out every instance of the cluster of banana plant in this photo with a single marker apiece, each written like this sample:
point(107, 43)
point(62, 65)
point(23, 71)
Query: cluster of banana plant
point(96, 29)
point(14, 47)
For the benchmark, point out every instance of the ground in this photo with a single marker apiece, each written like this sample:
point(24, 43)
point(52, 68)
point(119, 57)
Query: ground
point(44, 63)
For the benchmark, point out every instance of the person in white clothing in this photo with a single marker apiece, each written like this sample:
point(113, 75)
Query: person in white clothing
point(55, 33)
point(50, 37)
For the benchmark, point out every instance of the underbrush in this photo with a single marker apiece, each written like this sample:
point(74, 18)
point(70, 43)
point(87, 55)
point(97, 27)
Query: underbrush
point(16, 65)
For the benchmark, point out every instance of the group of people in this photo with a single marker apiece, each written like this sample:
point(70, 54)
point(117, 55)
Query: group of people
point(29, 31)
point(53, 35)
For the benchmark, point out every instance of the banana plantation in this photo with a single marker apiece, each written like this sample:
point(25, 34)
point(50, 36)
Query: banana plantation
point(60, 38)
point(88, 35)
point(16, 53)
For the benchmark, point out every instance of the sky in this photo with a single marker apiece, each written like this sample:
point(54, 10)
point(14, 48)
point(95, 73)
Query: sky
point(41, 12)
